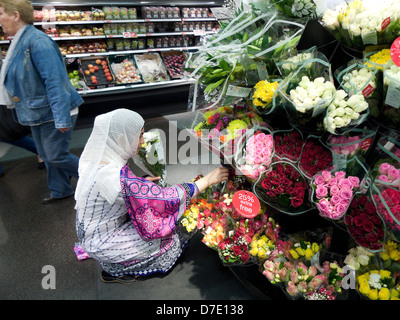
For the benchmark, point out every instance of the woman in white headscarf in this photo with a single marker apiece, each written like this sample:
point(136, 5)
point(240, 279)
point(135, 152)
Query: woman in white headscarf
point(125, 222)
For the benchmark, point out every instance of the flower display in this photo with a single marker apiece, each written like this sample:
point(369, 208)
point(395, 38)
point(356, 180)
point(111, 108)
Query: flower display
point(388, 173)
point(257, 156)
point(284, 185)
point(320, 294)
point(311, 93)
point(357, 80)
point(304, 249)
point(379, 59)
point(314, 158)
point(333, 193)
point(364, 224)
point(391, 256)
point(276, 271)
point(190, 217)
point(378, 285)
point(345, 111)
point(218, 119)
point(293, 63)
point(263, 94)
point(349, 146)
point(263, 244)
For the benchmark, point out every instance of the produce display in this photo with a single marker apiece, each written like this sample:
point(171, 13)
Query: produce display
point(75, 77)
point(174, 62)
point(124, 69)
point(96, 72)
point(151, 67)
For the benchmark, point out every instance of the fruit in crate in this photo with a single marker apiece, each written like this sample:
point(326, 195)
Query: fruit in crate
point(126, 72)
point(174, 64)
point(75, 79)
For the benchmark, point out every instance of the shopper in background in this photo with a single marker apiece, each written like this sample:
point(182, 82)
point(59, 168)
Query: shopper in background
point(125, 222)
point(35, 82)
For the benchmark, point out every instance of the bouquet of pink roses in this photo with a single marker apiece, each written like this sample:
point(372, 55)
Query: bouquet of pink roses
point(257, 155)
point(332, 193)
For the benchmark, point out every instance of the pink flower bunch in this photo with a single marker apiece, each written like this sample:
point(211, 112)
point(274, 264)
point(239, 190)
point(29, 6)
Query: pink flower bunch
point(276, 271)
point(259, 151)
point(333, 193)
point(303, 279)
point(345, 148)
point(388, 173)
point(320, 294)
point(391, 199)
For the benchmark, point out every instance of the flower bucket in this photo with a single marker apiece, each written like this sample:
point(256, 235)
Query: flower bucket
point(284, 188)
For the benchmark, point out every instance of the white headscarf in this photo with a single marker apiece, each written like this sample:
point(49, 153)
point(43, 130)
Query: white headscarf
point(113, 141)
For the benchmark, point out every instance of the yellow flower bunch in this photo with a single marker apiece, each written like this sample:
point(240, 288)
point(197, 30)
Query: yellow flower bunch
point(234, 126)
point(391, 251)
point(304, 249)
point(376, 285)
point(264, 93)
point(379, 59)
point(261, 246)
point(189, 217)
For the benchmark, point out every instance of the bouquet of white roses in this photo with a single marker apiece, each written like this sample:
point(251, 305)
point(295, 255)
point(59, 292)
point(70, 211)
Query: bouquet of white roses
point(357, 78)
point(345, 113)
point(152, 156)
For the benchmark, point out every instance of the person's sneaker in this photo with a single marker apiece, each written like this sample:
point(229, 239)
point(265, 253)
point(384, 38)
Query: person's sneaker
point(126, 279)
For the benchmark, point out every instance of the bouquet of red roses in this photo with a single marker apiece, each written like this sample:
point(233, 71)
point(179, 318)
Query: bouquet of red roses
point(314, 158)
point(364, 224)
point(288, 145)
point(283, 188)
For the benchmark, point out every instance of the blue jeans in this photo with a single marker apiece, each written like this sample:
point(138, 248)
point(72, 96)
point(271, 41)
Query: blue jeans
point(61, 165)
point(26, 142)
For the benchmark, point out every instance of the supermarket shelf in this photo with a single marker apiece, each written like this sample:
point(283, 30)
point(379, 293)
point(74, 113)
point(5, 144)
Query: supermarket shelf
point(80, 55)
point(135, 87)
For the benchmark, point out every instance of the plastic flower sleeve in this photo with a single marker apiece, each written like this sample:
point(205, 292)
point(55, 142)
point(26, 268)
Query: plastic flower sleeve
point(255, 152)
point(291, 60)
point(390, 116)
point(305, 99)
point(356, 78)
point(284, 188)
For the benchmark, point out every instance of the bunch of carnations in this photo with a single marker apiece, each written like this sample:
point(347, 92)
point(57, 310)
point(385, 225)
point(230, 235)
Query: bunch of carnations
point(364, 224)
point(378, 285)
point(288, 145)
point(314, 158)
point(234, 249)
point(387, 203)
point(284, 185)
point(333, 193)
point(258, 155)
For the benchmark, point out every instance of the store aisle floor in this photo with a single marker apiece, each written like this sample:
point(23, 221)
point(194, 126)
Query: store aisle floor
point(36, 238)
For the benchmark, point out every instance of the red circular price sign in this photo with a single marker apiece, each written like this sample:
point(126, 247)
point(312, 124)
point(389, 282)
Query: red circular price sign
point(395, 51)
point(246, 203)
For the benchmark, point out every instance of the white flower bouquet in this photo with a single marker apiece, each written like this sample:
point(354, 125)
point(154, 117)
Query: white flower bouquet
point(391, 91)
point(151, 155)
point(361, 23)
point(345, 113)
point(306, 100)
point(357, 78)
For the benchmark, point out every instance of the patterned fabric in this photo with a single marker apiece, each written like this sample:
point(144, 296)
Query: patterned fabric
point(153, 210)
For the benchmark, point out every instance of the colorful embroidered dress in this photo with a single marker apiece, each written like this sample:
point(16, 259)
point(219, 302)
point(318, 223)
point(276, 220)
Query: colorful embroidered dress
point(137, 234)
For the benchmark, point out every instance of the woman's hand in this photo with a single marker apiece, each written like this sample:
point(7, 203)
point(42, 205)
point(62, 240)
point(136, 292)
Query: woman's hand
point(216, 176)
point(152, 179)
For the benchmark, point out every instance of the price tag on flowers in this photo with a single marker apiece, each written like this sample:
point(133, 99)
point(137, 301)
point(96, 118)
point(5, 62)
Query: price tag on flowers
point(246, 203)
